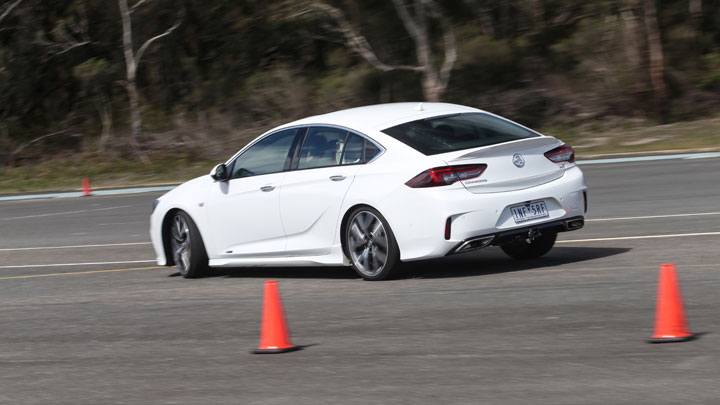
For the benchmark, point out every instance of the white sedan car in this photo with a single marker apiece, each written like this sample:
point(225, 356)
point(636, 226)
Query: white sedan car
point(371, 187)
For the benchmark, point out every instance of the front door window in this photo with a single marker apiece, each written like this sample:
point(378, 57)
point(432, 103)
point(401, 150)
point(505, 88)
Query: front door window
point(266, 156)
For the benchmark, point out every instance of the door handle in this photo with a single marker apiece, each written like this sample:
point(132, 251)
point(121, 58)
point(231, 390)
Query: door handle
point(338, 177)
point(267, 188)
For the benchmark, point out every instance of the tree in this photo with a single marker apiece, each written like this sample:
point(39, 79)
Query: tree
point(95, 75)
point(644, 52)
point(656, 56)
point(9, 9)
point(415, 19)
point(132, 60)
point(633, 45)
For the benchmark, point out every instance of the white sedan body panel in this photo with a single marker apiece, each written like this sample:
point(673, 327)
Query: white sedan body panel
point(298, 221)
point(188, 197)
point(243, 219)
point(310, 202)
point(418, 219)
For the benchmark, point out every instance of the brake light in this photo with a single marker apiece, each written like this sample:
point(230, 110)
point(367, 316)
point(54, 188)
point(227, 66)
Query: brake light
point(444, 176)
point(564, 153)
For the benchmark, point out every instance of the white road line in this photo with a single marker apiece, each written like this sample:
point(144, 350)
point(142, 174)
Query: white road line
point(74, 264)
point(596, 269)
point(124, 223)
point(650, 158)
point(69, 212)
point(699, 214)
point(677, 235)
point(562, 241)
point(74, 247)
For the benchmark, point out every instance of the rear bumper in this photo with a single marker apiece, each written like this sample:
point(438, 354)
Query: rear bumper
point(419, 217)
point(500, 238)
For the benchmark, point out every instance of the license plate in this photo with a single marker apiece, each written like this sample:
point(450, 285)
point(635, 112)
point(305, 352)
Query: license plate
point(526, 212)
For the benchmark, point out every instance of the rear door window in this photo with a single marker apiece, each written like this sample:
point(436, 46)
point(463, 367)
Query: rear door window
point(323, 147)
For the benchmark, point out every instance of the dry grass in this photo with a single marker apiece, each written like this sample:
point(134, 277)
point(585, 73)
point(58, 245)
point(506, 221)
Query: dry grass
point(636, 137)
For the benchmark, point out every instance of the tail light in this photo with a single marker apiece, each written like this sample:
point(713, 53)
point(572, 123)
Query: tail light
point(444, 176)
point(564, 153)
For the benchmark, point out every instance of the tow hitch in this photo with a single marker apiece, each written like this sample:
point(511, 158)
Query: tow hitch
point(532, 235)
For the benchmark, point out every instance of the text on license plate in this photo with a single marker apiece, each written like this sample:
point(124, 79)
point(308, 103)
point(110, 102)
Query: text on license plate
point(526, 212)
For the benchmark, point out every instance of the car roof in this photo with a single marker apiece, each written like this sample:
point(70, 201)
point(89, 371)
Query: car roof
point(381, 116)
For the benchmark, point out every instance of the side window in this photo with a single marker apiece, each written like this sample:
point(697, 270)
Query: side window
point(322, 147)
point(370, 151)
point(267, 156)
point(353, 150)
point(359, 150)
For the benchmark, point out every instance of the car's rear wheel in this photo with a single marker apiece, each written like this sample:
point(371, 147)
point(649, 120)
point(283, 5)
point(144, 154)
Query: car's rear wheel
point(530, 249)
point(188, 248)
point(371, 245)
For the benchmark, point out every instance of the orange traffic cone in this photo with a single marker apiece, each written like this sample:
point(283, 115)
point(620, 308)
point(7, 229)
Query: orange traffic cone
point(670, 322)
point(274, 334)
point(86, 187)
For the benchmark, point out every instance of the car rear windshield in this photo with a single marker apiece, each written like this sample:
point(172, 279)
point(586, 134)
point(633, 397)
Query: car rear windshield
point(450, 133)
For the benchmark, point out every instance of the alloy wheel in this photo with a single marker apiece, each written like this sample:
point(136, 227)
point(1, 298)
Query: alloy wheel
point(368, 243)
point(181, 243)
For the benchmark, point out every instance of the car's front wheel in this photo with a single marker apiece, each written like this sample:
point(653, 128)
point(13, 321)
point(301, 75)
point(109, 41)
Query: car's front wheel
point(530, 249)
point(370, 244)
point(187, 245)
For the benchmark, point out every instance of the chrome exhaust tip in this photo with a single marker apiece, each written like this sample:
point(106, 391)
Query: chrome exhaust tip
point(574, 224)
point(473, 244)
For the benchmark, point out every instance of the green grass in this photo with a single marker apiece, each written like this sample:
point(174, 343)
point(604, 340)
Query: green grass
point(66, 173)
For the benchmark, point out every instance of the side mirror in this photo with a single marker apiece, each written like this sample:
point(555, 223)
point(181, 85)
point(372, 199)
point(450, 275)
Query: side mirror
point(219, 172)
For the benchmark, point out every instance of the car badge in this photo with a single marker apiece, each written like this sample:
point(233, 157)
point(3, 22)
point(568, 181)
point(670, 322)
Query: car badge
point(518, 160)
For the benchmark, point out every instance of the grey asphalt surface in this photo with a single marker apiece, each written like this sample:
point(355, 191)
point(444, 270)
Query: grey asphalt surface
point(569, 328)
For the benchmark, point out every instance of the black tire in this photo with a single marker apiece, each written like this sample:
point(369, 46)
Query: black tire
point(523, 250)
point(370, 245)
point(187, 246)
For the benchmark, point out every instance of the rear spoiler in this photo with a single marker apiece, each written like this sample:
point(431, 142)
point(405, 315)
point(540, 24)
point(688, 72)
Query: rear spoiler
point(508, 148)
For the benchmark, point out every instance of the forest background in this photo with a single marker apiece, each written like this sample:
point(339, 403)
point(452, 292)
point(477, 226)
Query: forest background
point(146, 91)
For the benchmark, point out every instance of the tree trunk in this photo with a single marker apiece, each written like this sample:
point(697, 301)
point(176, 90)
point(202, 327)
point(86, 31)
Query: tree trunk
point(135, 117)
point(657, 64)
point(434, 80)
point(105, 111)
point(633, 47)
point(414, 17)
point(430, 84)
point(132, 60)
point(130, 85)
point(432, 89)
point(9, 9)
point(696, 9)
point(6, 147)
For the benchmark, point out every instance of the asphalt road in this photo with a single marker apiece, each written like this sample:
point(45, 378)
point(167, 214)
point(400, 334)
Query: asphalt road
point(103, 324)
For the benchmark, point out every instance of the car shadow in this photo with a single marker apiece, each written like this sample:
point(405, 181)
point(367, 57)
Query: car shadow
point(327, 272)
point(494, 261)
point(477, 263)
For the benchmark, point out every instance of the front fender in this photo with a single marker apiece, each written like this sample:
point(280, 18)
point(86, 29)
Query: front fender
point(189, 197)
